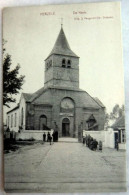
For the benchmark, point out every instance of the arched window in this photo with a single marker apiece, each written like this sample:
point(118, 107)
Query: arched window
point(43, 122)
point(69, 64)
point(63, 63)
point(22, 116)
point(67, 105)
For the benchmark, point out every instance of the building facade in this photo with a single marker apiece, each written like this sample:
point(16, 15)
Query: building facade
point(61, 105)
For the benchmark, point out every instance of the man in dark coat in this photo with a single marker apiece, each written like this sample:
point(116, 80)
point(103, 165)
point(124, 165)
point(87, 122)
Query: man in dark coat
point(48, 137)
point(95, 144)
point(53, 135)
point(84, 139)
point(117, 144)
point(44, 137)
point(100, 146)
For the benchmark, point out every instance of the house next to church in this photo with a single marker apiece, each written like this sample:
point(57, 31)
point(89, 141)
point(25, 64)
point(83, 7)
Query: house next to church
point(60, 104)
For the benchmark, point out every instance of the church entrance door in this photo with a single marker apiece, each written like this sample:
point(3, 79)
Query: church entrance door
point(66, 127)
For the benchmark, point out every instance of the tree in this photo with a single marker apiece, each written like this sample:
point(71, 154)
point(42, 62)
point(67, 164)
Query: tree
point(11, 82)
point(117, 111)
point(106, 119)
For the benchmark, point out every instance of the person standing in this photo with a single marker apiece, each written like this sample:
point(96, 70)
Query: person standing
point(95, 144)
point(44, 137)
point(48, 137)
point(53, 135)
point(117, 145)
point(84, 139)
point(100, 146)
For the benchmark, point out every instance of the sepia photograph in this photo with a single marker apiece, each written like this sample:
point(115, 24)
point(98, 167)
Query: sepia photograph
point(63, 99)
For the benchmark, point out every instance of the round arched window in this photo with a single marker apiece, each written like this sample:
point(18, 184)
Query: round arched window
point(42, 122)
point(63, 63)
point(69, 64)
point(67, 105)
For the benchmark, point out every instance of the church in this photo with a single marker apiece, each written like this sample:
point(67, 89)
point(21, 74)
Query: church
point(60, 104)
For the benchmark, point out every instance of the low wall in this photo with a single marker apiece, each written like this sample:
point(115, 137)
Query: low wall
point(122, 146)
point(109, 138)
point(98, 135)
point(106, 136)
point(35, 134)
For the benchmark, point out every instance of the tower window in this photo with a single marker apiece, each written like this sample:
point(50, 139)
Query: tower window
point(63, 63)
point(69, 64)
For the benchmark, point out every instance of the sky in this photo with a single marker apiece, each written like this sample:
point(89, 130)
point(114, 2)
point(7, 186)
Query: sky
point(93, 32)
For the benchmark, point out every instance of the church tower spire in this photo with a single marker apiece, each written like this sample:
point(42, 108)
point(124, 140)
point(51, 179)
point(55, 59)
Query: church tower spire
point(61, 45)
point(61, 65)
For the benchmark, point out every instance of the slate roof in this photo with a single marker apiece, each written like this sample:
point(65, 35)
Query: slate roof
point(84, 97)
point(119, 123)
point(61, 46)
point(88, 101)
point(36, 94)
point(27, 96)
point(99, 102)
point(15, 108)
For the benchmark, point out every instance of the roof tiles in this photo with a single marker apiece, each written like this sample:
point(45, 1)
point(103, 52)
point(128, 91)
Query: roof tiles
point(61, 46)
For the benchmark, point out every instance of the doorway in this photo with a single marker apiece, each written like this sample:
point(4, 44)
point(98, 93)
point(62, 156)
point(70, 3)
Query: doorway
point(66, 127)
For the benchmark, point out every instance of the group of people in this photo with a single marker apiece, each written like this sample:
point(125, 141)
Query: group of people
point(48, 137)
point(92, 143)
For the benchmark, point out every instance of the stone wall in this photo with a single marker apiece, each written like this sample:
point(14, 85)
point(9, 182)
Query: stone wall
point(29, 134)
point(106, 136)
point(109, 138)
point(98, 135)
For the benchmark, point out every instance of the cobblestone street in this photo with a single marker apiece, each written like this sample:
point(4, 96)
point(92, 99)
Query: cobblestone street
point(64, 167)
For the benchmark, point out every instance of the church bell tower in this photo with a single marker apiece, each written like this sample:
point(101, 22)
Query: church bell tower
point(62, 65)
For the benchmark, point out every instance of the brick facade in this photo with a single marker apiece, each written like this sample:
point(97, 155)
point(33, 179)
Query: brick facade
point(51, 108)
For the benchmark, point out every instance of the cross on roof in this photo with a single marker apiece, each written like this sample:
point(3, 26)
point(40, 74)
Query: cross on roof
point(61, 22)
